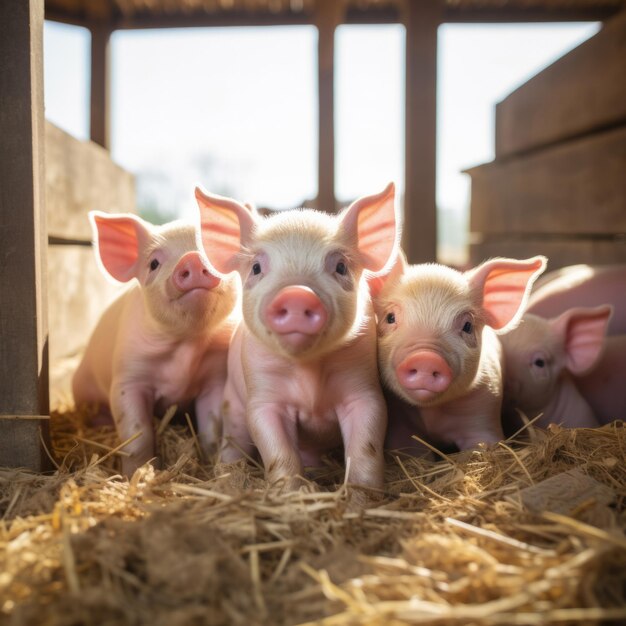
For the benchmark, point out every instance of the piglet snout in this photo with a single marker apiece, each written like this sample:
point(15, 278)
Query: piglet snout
point(425, 373)
point(191, 273)
point(296, 311)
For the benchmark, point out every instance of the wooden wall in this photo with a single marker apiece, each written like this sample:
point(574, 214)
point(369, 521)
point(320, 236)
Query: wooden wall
point(80, 176)
point(558, 183)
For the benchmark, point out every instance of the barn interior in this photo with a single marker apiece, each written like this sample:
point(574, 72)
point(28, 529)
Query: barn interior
point(530, 531)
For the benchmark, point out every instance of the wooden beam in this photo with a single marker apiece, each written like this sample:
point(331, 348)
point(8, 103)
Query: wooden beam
point(23, 314)
point(515, 14)
point(387, 14)
point(100, 85)
point(328, 15)
point(422, 19)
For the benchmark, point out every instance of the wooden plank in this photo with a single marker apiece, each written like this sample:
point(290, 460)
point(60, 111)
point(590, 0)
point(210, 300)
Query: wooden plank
point(80, 177)
point(422, 19)
point(23, 315)
point(582, 91)
point(328, 15)
point(560, 252)
point(78, 293)
point(575, 188)
point(100, 131)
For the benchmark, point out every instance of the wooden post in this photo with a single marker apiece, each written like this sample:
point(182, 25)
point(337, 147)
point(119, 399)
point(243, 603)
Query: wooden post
point(328, 15)
point(422, 18)
point(23, 314)
point(100, 84)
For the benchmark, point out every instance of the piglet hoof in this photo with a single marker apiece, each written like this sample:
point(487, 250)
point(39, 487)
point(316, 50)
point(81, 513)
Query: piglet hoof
point(294, 483)
point(362, 498)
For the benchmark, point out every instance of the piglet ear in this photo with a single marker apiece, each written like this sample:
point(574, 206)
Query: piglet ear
point(117, 240)
point(374, 223)
point(226, 226)
point(376, 282)
point(583, 331)
point(503, 286)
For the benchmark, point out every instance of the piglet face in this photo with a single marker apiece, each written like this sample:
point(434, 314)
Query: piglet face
point(429, 334)
point(301, 270)
point(180, 291)
point(540, 351)
point(534, 359)
point(431, 320)
point(301, 284)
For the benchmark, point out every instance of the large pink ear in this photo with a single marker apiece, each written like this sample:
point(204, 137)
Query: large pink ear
point(226, 225)
point(583, 331)
point(375, 224)
point(117, 238)
point(376, 282)
point(505, 285)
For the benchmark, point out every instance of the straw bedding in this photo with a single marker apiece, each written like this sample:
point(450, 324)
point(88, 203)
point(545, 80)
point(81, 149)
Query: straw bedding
point(480, 537)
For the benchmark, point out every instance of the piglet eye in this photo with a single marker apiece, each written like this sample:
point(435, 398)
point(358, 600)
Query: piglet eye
point(391, 318)
point(467, 327)
point(256, 269)
point(154, 264)
point(539, 363)
point(341, 268)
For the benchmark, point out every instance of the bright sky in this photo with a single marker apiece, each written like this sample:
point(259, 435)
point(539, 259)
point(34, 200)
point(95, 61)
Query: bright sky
point(236, 109)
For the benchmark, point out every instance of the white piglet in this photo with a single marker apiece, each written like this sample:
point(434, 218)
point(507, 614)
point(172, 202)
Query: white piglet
point(302, 373)
point(165, 340)
point(438, 350)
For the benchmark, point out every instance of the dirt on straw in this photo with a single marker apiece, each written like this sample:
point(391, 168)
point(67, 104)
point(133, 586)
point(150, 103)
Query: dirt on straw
point(456, 540)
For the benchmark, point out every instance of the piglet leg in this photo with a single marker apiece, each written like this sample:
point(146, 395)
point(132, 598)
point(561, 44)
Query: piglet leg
point(132, 408)
point(277, 441)
point(363, 423)
point(208, 419)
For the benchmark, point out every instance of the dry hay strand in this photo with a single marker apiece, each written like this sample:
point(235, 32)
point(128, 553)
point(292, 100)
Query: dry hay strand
point(464, 539)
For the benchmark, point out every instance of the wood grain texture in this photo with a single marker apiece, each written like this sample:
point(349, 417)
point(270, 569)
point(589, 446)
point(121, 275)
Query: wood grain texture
point(23, 315)
point(560, 252)
point(575, 188)
point(582, 91)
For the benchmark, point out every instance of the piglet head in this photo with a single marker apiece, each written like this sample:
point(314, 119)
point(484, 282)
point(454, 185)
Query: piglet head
point(182, 294)
point(301, 270)
point(431, 320)
point(540, 351)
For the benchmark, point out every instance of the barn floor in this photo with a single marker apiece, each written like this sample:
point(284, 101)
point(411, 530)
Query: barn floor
point(472, 538)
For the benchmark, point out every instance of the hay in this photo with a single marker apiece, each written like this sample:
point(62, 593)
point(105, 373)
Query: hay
point(460, 540)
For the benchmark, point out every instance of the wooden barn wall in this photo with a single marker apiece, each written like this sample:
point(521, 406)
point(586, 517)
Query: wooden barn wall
point(80, 177)
point(557, 185)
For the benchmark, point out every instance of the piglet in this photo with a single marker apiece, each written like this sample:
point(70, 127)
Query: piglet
point(164, 340)
point(582, 286)
point(547, 361)
point(437, 344)
point(302, 375)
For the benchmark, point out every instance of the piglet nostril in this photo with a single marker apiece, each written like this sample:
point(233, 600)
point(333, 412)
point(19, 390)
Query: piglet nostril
point(185, 274)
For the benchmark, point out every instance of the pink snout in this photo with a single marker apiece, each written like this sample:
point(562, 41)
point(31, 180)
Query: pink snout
point(425, 373)
point(296, 314)
point(191, 273)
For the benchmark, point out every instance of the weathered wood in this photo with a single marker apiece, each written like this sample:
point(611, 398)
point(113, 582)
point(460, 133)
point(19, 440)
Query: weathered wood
point(422, 19)
point(78, 293)
point(328, 14)
point(23, 315)
point(81, 177)
point(560, 252)
point(582, 91)
point(575, 188)
point(100, 131)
